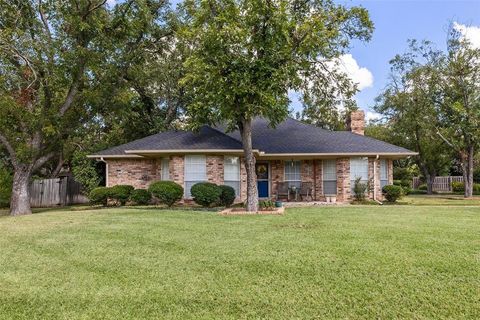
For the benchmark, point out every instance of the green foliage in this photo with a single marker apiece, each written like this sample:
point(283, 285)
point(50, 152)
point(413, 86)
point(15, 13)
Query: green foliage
point(141, 196)
point(6, 180)
point(227, 196)
point(167, 192)
point(392, 193)
point(266, 205)
point(422, 187)
point(409, 104)
point(458, 186)
point(206, 193)
point(360, 190)
point(84, 171)
point(121, 193)
point(99, 196)
point(262, 50)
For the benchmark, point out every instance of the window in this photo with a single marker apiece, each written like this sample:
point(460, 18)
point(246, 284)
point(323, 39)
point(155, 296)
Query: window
point(292, 173)
point(330, 177)
point(358, 169)
point(165, 169)
point(231, 172)
point(195, 171)
point(383, 173)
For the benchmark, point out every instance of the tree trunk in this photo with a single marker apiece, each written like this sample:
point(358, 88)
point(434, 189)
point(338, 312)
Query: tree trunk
point(252, 192)
point(468, 172)
point(430, 180)
point(20, 200)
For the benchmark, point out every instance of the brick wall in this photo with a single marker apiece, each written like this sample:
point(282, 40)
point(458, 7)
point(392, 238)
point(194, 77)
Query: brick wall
point(318, 186)
point(343, 179)
point(277, 174)
point(136, 172)
point(215, 169)
point(141, 172)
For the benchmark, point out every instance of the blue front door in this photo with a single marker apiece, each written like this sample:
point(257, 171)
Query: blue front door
point(261, 169)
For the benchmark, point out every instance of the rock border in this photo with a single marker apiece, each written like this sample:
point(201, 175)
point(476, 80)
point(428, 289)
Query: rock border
point(230, 211)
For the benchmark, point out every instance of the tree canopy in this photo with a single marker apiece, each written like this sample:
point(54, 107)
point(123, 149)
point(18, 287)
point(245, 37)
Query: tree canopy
point(245, 56)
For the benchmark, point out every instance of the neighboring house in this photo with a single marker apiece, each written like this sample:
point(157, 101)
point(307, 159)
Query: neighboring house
point(292, 152)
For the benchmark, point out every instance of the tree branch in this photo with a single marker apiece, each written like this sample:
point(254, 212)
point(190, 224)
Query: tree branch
point(73, 90)
point(41, 161)
point(11, 151)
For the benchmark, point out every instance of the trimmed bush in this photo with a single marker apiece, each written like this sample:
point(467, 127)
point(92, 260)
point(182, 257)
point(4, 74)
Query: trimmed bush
point(99, 195)
point(227, 196)
point(392, 193)
point(121, 193)
point(167, 192)
point(141, 196)
point(458, 186)
point(205, 193)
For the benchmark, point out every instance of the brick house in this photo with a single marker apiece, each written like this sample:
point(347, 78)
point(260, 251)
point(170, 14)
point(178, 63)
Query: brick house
point(292, 152)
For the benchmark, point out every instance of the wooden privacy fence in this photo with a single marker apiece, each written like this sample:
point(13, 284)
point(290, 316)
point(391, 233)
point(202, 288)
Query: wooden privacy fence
point(440, 184)
point(62, 191)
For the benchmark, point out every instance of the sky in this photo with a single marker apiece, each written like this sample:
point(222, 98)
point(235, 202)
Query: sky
point(395, 22)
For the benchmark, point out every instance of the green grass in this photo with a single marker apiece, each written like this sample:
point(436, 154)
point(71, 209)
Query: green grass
point(323, 262)
point(440, 200)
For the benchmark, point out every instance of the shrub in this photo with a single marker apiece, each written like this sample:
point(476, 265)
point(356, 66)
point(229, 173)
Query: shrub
point(406, 190)
point(266, 205)
point(360, 189)
point(422, 187)
point(99, 195)
point(458, 186)
point(85, 171)
point(168, 192)
point(476, 188)
point(205, 193)
point(141, 196)
point(227, 196)
point(392, 193)
point(121, 193)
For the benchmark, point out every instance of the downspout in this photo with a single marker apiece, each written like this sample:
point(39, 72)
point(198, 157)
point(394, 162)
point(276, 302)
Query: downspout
point(374, 179)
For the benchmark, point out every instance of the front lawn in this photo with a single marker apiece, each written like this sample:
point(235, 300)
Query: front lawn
point(323, 262)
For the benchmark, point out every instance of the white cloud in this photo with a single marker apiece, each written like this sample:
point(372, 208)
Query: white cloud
point(111, 3)
point(471, 33)
point(359, 75)
point(372, 115)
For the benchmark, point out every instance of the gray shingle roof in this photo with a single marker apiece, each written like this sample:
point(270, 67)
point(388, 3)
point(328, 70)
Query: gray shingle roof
point(293, 136)
point(206, 138)
point(289, 137)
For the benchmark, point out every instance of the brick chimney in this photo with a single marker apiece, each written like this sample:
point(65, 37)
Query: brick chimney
point(356, 122)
